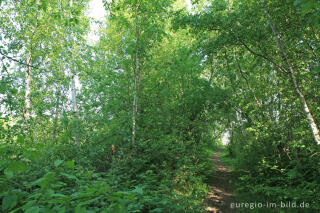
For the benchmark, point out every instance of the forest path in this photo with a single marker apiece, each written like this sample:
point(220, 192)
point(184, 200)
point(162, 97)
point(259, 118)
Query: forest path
point(221, 193)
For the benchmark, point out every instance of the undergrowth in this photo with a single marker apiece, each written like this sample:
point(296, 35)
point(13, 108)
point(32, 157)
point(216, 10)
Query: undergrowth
point(37, 177)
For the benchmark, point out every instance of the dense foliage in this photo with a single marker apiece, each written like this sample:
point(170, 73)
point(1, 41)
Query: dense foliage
point(263, 52)
point(128, 123)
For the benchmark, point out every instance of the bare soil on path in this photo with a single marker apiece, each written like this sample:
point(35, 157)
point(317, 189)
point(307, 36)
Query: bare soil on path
point(221, 194)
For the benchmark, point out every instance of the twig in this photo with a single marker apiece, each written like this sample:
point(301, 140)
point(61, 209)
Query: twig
point(264, 57)
point(20, 62)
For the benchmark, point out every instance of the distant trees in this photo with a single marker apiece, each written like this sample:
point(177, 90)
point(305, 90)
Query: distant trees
point(34, 43)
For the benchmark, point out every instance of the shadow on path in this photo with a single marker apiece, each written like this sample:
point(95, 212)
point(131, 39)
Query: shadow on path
point(220, 196)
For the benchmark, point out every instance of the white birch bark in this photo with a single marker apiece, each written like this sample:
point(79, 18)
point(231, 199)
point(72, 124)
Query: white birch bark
point(74, 107)
point(28, 90)
point(294, 84)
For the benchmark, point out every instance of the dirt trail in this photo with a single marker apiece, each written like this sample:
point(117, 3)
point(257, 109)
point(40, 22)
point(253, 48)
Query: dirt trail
point(221, 194)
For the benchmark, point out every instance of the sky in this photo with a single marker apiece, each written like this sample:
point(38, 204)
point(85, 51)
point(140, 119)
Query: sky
point(97, 12)
point(96, 9)
point(226, 138)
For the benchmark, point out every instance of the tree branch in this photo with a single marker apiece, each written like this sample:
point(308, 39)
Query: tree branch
point(246, 79)
point(20, 62)
point(264, 57)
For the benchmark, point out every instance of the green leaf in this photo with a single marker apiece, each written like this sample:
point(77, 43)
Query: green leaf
point(32, 155)
point(33, 209)
point(20, 139)
point(68, 176)
point(63, 210)
point(118, 208)
point(17, 166)
point(43, 182)
point(69, 164)
point(138, 190)
point(8, 173)
point(44, 5)
point(9, 202)
point(58, 163)
point(157, 210)
point(80, 209)
point(29, 204)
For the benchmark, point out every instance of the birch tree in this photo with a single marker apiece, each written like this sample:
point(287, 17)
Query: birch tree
point(291, 73)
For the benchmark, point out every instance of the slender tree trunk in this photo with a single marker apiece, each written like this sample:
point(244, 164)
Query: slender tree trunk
point(134, 109)
point(136, 81)
point(211, 72)
point(75, 109)
point(55, 123)
point(294, 83)
point(246, 79)
point(28, 90)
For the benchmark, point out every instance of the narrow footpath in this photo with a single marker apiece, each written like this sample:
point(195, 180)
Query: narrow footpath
point(221, 193)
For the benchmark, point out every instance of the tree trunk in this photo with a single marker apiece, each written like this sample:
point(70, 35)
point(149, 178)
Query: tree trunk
point(55, 123)
point(294, 83)
point(28, 90)
point(75, 109)
point(136, 81)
